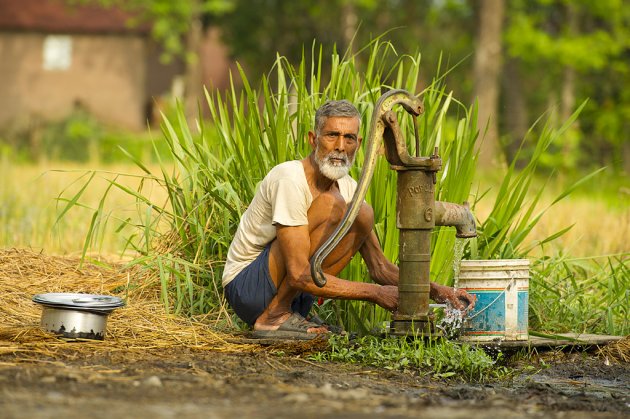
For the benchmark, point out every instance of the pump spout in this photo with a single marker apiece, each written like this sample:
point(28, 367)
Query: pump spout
point(458, 216)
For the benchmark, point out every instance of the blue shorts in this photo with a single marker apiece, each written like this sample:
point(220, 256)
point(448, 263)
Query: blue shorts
point(251, 291)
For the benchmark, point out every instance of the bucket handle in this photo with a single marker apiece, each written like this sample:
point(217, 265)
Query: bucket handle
point(512, 281)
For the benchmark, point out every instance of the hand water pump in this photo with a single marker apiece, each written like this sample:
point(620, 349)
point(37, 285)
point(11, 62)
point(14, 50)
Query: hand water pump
point(417, 212)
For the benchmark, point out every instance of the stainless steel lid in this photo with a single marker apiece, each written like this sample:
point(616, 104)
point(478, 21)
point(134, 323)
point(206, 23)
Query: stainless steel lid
point(79, 301)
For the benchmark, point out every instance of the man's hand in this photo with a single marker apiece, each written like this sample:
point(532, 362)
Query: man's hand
point(388, 297)
point(458, 298)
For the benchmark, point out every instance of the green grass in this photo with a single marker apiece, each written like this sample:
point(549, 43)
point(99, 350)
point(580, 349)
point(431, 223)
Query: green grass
point(436, 358)
point(582, 295)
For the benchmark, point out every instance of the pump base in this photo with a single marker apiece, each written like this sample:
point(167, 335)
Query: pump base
point(414, 327)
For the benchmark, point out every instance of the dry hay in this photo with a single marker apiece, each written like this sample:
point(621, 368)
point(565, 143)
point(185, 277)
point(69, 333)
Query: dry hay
point(618, 351)
point(140, 327)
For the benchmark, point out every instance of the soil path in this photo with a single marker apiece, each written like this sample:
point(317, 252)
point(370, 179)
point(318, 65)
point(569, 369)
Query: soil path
point(187, 384)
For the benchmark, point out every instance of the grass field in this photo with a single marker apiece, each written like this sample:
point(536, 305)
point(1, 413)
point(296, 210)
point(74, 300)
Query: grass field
point(599, 212)
point(30, 206)
point(568, 295)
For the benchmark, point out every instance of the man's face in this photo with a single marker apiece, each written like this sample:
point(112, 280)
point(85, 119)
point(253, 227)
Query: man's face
point(336, 146)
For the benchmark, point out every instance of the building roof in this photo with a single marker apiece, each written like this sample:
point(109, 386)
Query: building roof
point(58, 16)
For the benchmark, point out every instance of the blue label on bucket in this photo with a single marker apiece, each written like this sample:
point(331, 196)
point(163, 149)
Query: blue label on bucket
point(488, 315)
point(521, 320)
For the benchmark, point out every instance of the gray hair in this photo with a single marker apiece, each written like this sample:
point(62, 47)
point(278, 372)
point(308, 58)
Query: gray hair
point(335, 108)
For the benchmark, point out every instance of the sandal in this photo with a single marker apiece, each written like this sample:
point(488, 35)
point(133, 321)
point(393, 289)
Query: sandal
point(294, 328)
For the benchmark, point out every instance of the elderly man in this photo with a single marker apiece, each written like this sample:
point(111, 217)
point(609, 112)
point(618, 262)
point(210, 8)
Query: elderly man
point(297, 206)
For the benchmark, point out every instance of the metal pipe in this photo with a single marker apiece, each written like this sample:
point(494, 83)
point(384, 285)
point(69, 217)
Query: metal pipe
point(454, 215)
point(415, 221)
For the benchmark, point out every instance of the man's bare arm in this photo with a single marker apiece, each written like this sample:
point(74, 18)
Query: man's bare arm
point(382, 271)
point(294, 244)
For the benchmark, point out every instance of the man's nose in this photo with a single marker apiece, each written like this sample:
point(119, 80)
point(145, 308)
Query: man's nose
point(340, 143)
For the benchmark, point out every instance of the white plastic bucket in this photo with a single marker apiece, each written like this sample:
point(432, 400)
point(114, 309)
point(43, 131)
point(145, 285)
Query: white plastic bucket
point(502, 290)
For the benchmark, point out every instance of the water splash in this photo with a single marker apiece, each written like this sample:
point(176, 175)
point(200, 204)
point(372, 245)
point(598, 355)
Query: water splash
point(452, 323)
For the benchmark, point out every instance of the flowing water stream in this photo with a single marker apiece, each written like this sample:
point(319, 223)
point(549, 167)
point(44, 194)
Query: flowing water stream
point(453, 321)
point(458, 252)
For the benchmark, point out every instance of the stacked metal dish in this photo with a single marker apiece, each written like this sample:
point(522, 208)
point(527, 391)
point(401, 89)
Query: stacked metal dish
point(77, 315)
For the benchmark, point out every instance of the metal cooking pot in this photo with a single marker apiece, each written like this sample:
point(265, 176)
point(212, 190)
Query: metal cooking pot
point(74, 323)
point(76, 315)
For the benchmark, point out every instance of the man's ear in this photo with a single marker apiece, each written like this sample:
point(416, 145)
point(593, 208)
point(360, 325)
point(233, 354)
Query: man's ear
point(359, 140)
point(312, 138)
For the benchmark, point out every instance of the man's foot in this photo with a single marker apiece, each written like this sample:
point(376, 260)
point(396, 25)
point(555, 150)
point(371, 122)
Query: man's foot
point(294, 327)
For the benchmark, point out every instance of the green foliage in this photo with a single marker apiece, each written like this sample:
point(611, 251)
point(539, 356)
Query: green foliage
point(584, 52)
point(580, 295)
point(255, 30)
point(79, 137)
point(545, 32)
point(543, 40)
point(439, 358)
point(589, 40)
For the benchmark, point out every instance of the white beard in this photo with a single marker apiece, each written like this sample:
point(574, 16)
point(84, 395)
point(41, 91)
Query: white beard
point(333, 171)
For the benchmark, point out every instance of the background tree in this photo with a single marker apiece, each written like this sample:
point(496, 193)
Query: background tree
point(256, 30)
point(561, 53)
point(486, 72)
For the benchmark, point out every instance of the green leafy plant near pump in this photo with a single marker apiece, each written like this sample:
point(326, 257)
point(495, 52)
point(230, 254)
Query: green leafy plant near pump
point(440, 358)
point(211, 170)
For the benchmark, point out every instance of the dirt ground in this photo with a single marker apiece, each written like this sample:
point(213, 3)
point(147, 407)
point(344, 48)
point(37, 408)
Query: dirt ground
point(282, 382)
point(154, 365)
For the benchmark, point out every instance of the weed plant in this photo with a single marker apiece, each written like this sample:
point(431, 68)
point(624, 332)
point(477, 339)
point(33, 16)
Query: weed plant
point(439, 358)
point(211, 171)
point(581, 295)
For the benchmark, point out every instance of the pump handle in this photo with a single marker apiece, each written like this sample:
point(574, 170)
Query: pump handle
point(386, 102)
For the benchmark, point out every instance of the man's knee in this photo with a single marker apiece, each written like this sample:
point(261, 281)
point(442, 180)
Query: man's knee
point(328, 207)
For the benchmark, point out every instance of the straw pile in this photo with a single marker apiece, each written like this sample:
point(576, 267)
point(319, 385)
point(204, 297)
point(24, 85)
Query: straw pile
point(139, 328)
point(618, 351)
